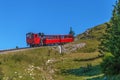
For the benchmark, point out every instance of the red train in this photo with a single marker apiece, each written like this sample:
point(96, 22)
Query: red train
point(39, 39)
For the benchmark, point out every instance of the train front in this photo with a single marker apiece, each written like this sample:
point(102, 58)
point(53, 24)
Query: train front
point(32, 39)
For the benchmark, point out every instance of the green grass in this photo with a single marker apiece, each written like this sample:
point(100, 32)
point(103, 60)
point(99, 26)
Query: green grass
point(31, 65)
point(69, 69)
point(18, 64)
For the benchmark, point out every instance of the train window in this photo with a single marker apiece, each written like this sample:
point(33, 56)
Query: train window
point(28, 35)
point(35, 35)
point(44, 37)
point(49, 37)
point(66, 36)
point(62, 36)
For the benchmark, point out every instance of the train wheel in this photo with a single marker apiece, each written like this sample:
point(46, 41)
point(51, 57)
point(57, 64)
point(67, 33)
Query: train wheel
point(32, 45)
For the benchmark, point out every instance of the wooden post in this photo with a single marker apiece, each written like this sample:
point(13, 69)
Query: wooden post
point(60, 49)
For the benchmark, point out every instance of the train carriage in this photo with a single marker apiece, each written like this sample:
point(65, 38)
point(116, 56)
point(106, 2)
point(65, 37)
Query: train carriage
point(33, 39)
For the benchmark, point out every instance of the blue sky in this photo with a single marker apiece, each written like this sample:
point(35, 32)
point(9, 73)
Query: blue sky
point(17, 17)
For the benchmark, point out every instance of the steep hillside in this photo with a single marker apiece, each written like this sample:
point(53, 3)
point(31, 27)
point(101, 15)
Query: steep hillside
point(91, 38)
point(93, 33)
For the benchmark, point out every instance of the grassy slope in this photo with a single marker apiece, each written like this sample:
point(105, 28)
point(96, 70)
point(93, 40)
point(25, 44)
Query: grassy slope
point(91, 37)
point(24, 65)
point(93, 33)
point(31, 65)
point(71, 68)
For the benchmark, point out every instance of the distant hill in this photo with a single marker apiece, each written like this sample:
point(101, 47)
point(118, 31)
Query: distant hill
point(91, 38)
point(93, 33)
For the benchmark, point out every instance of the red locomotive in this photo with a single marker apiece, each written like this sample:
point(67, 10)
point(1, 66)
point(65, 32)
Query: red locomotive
point(39, 39)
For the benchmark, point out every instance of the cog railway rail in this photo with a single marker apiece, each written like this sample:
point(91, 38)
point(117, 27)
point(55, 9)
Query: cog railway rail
point(15, 50)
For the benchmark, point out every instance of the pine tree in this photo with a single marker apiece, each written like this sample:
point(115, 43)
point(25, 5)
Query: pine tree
point(71, 31)
point(111, 43)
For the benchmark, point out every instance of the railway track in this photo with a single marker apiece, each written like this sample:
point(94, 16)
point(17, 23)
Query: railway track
point(19, 49)
point(15, 50)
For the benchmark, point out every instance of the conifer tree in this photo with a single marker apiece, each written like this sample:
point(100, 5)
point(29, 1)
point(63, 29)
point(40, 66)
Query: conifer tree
point(71, 31)
point(111, 43)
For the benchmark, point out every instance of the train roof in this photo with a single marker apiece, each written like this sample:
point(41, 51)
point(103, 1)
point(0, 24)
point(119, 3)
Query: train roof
point(51, 34)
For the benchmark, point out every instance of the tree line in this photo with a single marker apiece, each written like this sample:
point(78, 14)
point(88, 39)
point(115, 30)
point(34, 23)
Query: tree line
point(110, 43)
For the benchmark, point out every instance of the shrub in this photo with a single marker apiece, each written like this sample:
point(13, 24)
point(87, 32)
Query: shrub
point(110, 66)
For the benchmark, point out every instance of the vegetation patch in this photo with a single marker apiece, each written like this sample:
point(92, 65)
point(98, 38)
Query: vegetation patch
point(89, 70)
